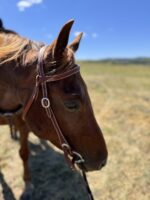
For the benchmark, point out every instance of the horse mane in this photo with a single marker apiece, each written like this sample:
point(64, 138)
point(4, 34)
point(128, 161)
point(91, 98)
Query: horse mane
point(12, 46)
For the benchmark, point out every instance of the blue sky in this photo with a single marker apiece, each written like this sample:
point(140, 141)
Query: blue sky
point(112, 28)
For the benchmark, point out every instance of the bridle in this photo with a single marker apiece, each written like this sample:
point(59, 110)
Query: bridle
point(72, 157)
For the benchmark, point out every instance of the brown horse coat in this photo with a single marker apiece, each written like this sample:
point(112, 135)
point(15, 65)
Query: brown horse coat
point(68, 97)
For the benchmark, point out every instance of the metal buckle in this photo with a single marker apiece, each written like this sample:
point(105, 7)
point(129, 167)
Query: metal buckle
point(80, 158)
point(64, 145)
point(45, 102)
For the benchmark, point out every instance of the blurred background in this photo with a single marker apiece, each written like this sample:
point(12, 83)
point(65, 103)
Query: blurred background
point(112, 29)
point(115, 62)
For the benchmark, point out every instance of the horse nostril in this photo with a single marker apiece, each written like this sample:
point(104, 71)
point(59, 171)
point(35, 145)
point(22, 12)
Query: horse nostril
point(103, 163)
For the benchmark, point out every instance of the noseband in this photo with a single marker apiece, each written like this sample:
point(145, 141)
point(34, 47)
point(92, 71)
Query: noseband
point(72, 157)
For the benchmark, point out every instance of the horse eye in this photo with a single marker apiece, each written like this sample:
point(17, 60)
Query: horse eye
point(71, 105)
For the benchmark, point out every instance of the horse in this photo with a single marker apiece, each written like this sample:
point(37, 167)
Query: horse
point(3, 29)
point(46, 81)
point(12, 118)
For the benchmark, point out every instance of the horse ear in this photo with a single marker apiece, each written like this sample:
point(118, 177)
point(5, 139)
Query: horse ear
point(75, 44)
point(62, 39)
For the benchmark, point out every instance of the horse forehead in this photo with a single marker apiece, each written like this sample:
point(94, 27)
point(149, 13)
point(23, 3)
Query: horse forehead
point(67, 57)
point(70, 54)
point(37, 45)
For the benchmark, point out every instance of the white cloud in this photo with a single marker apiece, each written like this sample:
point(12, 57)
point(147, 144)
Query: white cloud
point(76, 33)
point(94, 35)
point(23, 4)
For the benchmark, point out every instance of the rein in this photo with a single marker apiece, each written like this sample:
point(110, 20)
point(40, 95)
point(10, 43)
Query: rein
point(72, 157)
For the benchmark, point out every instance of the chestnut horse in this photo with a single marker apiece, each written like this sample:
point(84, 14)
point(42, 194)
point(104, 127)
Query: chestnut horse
point(68, 95)
point(13, 118)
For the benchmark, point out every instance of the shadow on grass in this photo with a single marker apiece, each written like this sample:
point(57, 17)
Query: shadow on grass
point(6, 190)
point(51, 177)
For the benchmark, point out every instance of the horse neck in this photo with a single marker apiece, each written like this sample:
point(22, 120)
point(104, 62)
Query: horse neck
point(19, 79)
point(26, 82)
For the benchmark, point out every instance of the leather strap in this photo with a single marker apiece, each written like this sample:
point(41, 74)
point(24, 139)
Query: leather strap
point(40, 79)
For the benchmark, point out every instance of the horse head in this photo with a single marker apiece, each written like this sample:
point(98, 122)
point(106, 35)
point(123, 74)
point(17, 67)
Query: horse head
point(69, 101)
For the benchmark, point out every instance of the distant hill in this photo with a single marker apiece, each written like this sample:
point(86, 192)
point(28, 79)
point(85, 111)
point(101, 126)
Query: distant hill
point(124, 61)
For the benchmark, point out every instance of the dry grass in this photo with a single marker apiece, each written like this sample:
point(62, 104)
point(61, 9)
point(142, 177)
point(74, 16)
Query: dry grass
point(121, 100)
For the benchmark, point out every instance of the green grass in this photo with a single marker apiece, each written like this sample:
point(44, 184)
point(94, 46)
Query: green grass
point(120, 95)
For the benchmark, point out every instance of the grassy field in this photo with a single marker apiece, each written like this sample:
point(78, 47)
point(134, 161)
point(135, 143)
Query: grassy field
point(121, 101)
